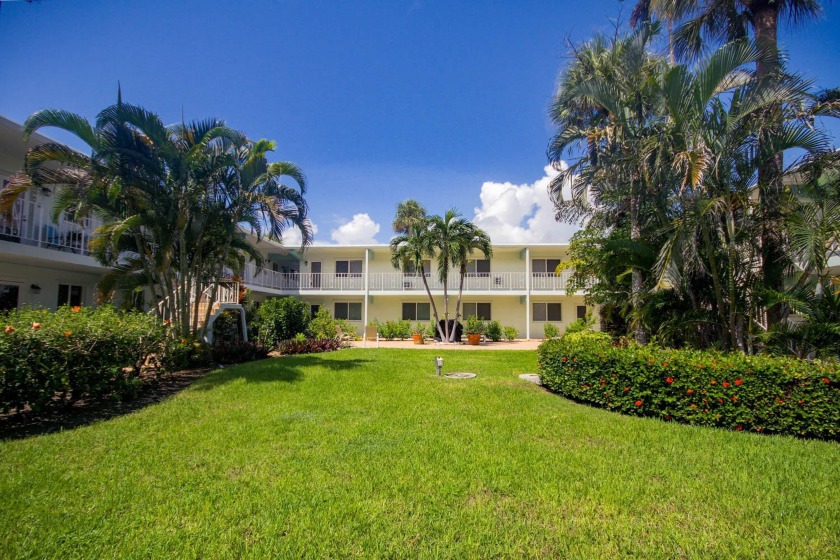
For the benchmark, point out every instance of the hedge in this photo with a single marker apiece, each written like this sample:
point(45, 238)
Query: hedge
point(704, 388)
point(73, 353)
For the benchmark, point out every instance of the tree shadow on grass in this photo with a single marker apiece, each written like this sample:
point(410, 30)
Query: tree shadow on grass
point(285, 368)
point(289, 369)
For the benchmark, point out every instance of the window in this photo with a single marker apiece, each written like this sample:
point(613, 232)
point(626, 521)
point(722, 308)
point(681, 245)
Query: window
point(313, 309)
point(416, 311)
point(543, 312)
point(348, 268)
point(69, 294)
point(350, 311)
point(544, 266)
point(411, 270)
point(9, 296)
point(581, 312)
point(480, 310)
point(479, 267)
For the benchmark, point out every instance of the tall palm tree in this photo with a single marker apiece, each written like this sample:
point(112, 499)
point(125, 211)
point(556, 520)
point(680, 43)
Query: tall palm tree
point(469, 239)
point(410, 250)
point(447, 233)
point(604, 107)
point(410, 213)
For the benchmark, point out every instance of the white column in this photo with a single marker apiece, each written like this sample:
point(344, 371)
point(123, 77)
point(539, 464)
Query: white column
point(527, 293)
point(367, 289)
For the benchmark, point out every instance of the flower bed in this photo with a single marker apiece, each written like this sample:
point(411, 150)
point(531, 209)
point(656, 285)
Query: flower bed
point(73, 353)
point(706, 388)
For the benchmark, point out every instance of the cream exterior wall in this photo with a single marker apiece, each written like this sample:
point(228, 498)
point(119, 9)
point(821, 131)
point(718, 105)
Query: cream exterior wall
point(48, 279)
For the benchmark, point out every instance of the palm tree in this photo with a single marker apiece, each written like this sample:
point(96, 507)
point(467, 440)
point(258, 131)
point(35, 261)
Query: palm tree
point(469, 239)
point(409, 251)
point(409, 214)
point(447, 233)
point(605, 105)
point(725, 21)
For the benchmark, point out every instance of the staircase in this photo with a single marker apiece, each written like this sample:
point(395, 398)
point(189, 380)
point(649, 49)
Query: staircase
point(227, 298)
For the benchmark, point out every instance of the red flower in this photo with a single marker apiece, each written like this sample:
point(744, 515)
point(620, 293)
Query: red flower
point(638, 403)
point(665, 364)
point(720, 400)
point(690, 391)
point(668, 417)
point(739, 428)
point(738, 381)
point(826, 380)
point(800, 402)
point(626, 389)
point(726, 384)
point(669, 380)
point(564, 358)
point(10, 329)
point(36, 326)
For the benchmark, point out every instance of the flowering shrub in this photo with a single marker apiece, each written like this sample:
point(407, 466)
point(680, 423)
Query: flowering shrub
point(309, 345)
point(706, 388)
point(72, 353)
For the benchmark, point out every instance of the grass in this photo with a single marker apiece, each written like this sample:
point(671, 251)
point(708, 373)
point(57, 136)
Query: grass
point(364, 453)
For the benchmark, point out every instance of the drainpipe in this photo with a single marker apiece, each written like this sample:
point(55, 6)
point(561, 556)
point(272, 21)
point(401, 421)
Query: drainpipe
point(527, 293)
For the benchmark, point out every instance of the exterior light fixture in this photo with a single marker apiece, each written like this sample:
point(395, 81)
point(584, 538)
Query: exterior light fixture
point(36, 289)
point(438, 364)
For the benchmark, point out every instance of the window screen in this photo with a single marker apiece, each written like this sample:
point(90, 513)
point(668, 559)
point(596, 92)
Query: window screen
point(69, 294)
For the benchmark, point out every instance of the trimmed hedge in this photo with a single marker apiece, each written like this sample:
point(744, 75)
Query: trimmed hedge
point(308, 345)
point(704, 388)
point(73, 353)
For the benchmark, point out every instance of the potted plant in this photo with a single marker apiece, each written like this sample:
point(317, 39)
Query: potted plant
point(474, 328)
point(418, 333)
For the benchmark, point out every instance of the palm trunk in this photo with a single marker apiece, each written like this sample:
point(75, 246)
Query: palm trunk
point(707, 243)
point(733, 327)
point(637, 280)
point(431, 301)
point(463, 272)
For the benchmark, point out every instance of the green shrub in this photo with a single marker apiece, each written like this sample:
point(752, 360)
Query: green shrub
point(706, 388)
point(474, 325)
point(185, 354)
point(581, 325)
point(389, 330)
point(431, 330)
point(227, 328)
point(494, 331)
point(511, 333)
point(238, 352)
point(281, 319)
point(73, 353)
point(322, 326)
point(550, 330)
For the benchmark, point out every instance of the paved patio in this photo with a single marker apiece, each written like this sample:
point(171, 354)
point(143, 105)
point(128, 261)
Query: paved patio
point(519, 344)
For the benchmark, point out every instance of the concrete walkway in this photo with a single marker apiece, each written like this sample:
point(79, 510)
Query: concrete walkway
point(519, 344)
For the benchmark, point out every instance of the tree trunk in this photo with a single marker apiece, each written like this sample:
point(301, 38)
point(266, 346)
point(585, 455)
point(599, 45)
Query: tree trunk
point(765, 24)
point(432, 302)
point(637, 280)
point(463, 272)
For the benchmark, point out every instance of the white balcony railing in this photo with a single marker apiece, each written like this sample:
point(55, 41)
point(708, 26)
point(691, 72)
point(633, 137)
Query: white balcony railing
point(29, 223)
point(398, 282)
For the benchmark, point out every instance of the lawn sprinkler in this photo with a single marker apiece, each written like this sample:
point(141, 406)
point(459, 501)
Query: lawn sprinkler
point(438, 364)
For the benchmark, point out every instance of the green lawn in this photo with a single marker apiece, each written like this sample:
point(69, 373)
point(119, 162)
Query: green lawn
point(364, 453)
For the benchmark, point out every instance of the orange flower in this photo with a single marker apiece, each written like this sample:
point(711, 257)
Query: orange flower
point(712, 382)
point(10, 329)
point(638, 403)
point(690, 391)
point(36, 326)
point(665, 364)
point(726, 384)
point(720, 400)
point(800, 402)
point(694, 407)
point(669, 380)
point(734, 398)
point(626, 389)
point(564, 358)
point(738, 381)
point(67, 333)
point(183, 341)
point(826, 380)
point(76, 309)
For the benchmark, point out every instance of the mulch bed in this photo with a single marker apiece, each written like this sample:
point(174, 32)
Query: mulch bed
point(26, 423)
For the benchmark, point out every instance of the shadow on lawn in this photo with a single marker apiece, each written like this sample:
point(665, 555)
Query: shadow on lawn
point(287, 368)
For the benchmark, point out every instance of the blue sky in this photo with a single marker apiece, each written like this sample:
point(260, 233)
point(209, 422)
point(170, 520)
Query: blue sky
point(377, 101)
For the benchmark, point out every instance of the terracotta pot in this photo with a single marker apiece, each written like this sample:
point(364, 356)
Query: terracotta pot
point(473, 339)
point(418, 338)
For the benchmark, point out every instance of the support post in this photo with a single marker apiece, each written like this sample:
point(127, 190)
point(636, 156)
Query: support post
point(527, 293)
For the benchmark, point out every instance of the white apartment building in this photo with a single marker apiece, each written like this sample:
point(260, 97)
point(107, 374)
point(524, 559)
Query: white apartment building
point(46, 263)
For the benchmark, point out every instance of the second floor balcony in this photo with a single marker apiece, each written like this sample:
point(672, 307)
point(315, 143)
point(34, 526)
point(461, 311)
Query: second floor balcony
point(384, 282)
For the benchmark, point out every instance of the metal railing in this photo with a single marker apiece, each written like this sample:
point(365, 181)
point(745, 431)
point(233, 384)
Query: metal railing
point(551, 282)
point(29, 223)
point(473, 282)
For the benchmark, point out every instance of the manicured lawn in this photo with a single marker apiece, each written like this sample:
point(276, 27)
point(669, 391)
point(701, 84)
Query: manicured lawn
point(364, 453)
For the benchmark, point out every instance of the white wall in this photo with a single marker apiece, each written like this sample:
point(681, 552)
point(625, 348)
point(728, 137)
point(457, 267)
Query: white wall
point(48, 279)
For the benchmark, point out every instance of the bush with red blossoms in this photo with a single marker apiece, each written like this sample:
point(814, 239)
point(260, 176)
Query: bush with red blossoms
point(765, 394)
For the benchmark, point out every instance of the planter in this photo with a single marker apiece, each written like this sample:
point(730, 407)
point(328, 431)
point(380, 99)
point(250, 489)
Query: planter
point(418, 338)
point(473, 339)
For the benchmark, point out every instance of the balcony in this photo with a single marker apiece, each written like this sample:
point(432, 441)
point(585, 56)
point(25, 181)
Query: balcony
point(379, 282)
point(30, 224)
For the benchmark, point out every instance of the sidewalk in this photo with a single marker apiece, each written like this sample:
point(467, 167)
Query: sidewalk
point(519, 344)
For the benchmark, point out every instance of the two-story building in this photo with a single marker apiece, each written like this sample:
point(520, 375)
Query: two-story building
point(47, 263)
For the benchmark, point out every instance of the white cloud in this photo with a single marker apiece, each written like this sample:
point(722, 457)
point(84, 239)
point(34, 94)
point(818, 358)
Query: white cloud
point(292, 237)
point(361, 230)
point(521, 213)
